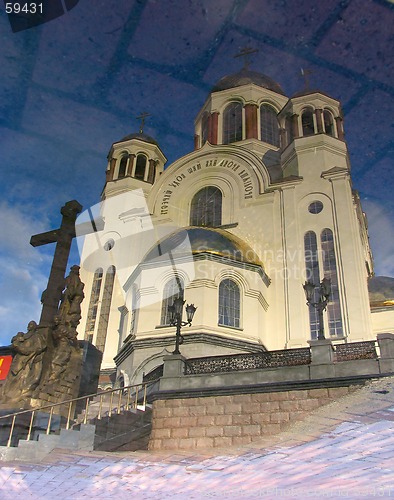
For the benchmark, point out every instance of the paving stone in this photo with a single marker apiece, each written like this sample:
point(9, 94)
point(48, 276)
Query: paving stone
point(353, 458)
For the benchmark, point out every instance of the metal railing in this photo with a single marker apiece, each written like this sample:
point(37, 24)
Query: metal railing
point(356, 350)
point(254, 361)
point(107, 403)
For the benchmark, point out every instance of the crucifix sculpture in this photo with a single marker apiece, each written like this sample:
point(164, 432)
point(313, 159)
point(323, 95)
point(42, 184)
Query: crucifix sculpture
point(63, 237)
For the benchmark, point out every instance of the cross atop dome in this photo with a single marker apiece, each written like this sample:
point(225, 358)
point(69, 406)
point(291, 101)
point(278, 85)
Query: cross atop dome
point(142, 117)
point(246, 52)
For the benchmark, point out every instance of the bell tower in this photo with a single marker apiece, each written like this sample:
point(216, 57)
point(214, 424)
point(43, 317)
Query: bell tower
point(134, 162)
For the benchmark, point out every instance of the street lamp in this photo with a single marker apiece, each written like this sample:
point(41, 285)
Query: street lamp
point(324, 292)
point(175, 312)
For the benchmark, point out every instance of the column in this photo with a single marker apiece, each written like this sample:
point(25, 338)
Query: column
point(251, 121)
point(111, 171)
point(213, 128)
point(319, 122)
point(339, 124)
point(130, 165)
point(294, 122)
point(152, 171)
point(282, 138)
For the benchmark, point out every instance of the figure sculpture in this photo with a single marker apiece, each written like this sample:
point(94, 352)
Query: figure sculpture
point(63, 343)
point(26, 367)
point(70, 306)
point(64, 332)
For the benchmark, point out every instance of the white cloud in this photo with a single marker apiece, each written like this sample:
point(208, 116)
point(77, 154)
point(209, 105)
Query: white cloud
point(17, 225)
point(381, 233)
point(20, 290)
point(23, 270)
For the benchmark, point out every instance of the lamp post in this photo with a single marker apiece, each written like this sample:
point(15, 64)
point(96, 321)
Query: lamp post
point(324, 291)
point(175, 311)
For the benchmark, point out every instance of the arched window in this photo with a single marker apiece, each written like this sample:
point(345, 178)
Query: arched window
point(206, 207)
point(93, 304)
point(269, 125)
point(328, 123)
point(173, 289)
point(308, 127)
point(123, 166)
point(102, 328)
point(313, 275)
point(204, 128)
point(335, 324)
point(232, 123)
point(140, 167)
point(229, 303)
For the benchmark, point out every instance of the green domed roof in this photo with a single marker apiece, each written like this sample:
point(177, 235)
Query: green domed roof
point(245, 77)
point(205, 240)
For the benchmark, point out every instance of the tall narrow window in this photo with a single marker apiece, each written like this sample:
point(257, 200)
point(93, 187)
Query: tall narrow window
point(269, 125)
point(229, 303)
point(308, 127)
point(313, 275)
point(93, 305)
point(335, 324)
point(140, 167)
point(232, 123)
point(172, 290)
point(123, 166)
point(105, 308)
point(206, 207)
point(328, 123)
point(204, 128)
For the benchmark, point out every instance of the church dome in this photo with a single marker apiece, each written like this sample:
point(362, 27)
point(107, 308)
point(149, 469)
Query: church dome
point(245, 77)
point(205, 240)
point(141, 137)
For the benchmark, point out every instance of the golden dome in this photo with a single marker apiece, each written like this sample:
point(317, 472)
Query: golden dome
point(205, 240)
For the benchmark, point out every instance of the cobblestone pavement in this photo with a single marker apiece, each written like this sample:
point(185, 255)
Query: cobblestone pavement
point(345, 449)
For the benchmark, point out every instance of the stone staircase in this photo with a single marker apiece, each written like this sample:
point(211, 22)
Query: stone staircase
point(81, 439)
point(126, 431)
point(120, 424)
point(111, 424)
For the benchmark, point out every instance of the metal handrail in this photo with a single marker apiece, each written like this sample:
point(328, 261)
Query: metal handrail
point(71, 402)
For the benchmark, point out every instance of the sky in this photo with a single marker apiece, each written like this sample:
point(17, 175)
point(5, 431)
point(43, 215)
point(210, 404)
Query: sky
point(71, 87)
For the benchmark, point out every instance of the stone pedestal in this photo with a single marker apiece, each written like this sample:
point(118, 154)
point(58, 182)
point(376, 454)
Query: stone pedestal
point(322, 351)
point(172, 372)
point(386, 345)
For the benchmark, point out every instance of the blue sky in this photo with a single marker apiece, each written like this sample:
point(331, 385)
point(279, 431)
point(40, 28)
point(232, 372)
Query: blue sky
point(73, 86)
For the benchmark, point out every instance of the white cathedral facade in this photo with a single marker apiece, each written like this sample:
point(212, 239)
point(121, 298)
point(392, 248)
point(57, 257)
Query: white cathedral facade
point(263, 203)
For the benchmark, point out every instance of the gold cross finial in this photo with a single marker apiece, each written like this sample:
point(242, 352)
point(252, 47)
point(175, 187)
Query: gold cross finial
point(245, 52)
point(305, 73)
point(142, 118)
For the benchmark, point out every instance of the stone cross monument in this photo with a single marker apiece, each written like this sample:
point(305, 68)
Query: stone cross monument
point(63, 238)
point(46, 367)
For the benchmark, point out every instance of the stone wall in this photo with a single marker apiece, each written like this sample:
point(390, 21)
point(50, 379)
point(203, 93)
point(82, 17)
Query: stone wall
point(218, 421)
